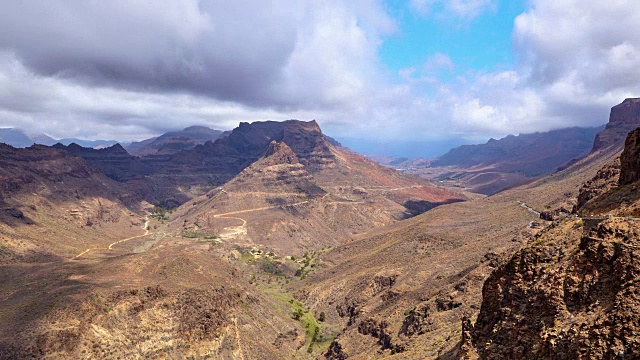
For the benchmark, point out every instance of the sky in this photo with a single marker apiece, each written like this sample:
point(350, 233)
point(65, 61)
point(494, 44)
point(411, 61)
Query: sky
point(373, 73)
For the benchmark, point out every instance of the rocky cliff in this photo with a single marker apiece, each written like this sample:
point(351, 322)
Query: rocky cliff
point(572, 292)
point(568, 295)
point(624, 118)
point(630, 159)
point(227, 156)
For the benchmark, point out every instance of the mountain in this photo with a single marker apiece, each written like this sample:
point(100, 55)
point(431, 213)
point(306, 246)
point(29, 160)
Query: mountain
point(96, 144)
point(409, 305)
point(113, 161)
point(529, 154)
point(15, 138)
point(624, 117)
point(44, 190)
point(575, 282)
point(289, 246)
point(498, 164)
point(91, 269)
point(303, 193)
point(20, 139)
point(215, 163)
point(175, 141)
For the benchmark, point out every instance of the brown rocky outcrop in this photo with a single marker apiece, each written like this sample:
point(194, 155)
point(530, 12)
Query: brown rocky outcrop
point(335, 352)
point(605, 179)
point(280, 153)
point(247, 143)
point(624, 118)
point(565, 296)
point(466, 350)
point(630, 159)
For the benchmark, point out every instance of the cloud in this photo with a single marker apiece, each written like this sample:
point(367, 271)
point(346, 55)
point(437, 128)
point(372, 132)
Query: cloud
point(438, 62)
point(576, 59)
point(147, 67)
point(584, 49)
point(132, 69)
point(249, 51)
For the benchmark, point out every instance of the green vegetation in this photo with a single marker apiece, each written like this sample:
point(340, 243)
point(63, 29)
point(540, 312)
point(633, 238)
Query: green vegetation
point(311, 324)
point(309, 261)
point(271, 272)
point(198, 235)
point(160, 213)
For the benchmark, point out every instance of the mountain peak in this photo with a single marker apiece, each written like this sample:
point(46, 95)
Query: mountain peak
point(280, 153)
point(624, 117)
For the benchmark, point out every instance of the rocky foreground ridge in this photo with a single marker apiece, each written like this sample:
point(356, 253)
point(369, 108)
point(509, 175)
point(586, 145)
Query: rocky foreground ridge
point(572, 292)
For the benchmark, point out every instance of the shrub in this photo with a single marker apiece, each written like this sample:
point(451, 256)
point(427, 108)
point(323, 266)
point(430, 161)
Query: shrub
point(321, 317)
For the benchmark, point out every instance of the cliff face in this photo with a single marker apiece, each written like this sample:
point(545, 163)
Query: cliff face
point(606, 179)
point(566, 296)
point(20, 167)
point(624, 118)
point(572, 292)
point(630, 159)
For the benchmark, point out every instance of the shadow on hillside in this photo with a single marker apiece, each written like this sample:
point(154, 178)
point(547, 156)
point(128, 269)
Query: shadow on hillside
point(33, 289)
point(415, 208)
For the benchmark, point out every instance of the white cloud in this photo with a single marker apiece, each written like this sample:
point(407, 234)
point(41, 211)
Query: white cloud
point(577, 59)
point(139, 65)
point(127, 69)
point(438, 62)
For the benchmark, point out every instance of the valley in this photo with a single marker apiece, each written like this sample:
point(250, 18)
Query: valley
point(304, 249)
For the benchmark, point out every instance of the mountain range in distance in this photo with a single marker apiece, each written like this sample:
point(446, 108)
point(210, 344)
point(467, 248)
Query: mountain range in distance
point(20, 139)
point(484, 168)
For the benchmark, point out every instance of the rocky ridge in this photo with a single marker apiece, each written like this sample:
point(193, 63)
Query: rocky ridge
point(113, 161)
point(571, 292)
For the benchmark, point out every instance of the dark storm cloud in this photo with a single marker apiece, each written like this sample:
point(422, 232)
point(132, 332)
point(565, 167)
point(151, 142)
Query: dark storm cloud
point(223, 51)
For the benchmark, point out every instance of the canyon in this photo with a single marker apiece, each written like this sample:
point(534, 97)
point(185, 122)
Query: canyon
point(274, 241)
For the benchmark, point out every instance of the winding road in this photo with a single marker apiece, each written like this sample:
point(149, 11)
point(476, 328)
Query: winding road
point(110, 247)
point(524, 205)
point(234, 231)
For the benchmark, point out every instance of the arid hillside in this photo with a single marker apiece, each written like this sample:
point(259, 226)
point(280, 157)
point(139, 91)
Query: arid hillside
point(55, 203)
point(92, 267)
point(571, 292)
point(402, 290)
point(279, 204)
